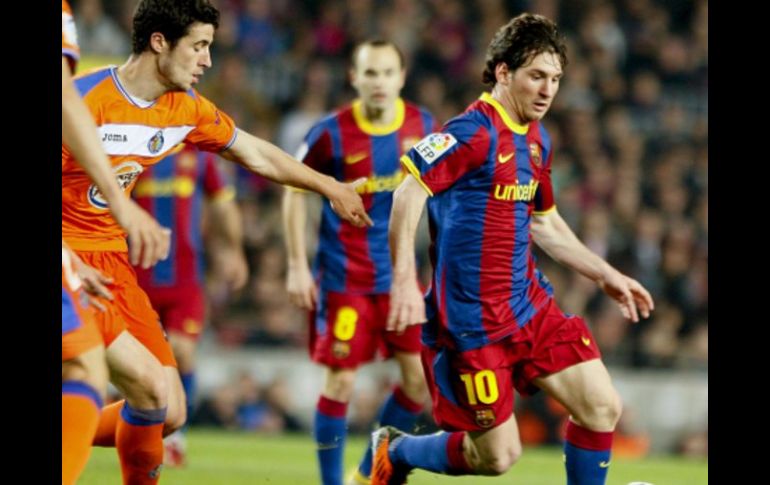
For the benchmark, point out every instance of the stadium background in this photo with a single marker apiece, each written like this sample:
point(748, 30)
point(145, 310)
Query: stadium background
point(631, 175)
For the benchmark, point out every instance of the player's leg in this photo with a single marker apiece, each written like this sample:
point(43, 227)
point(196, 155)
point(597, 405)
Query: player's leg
point(566, 363)
point(329, 423)
point(341, 340)
point(586, 390)
point(182, 311)
point(175, 444)
point(402, 408)
point(472, 392)
point(139, 422)
point(84, 381)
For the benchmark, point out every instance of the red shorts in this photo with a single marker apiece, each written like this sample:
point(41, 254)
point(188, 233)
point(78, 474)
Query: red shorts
point(130, 309)
point(348, 330)
point(473, 390)
point(182, 309)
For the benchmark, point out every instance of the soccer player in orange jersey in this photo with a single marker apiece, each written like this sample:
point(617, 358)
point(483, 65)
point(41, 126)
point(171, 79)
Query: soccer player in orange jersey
point(143, 109)
point(84, 371)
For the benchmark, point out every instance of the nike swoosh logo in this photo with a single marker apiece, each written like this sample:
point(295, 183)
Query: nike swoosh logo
point(504, 158)
point(351, 159)
point(604, 464)
point(586, 342)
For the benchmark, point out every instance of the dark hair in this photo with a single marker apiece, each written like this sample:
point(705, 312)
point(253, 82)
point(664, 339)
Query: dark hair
point(517, 42)
point(377, 43)
point(172, 18)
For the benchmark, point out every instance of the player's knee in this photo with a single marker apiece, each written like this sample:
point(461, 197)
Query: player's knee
point(602, 411)
point(151, 385)
point(176, 417)
point(501, 461)
point(339, 385)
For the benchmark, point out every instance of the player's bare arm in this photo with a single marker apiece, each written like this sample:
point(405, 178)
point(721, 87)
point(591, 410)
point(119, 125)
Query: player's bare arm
point(407, 306)
point(226, 223)
point(552, 234)
point(299, 280)
point(273, 163)
point(149, 242)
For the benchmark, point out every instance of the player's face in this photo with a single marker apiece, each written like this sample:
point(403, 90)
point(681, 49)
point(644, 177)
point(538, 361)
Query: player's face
point(183, 66)
point(377, 76)
point(533, 86)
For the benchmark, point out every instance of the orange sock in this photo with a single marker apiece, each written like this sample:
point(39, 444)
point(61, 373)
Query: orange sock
point(80, 407)
point(108, 423)
point(139, 440)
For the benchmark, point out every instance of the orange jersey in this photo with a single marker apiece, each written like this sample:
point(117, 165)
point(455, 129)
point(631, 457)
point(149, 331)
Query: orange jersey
point(69, 36)
point(135, 134)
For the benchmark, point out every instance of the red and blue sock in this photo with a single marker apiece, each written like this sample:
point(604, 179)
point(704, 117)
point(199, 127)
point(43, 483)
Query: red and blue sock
point(440, 453)
point(329, 431)
point(587, 455)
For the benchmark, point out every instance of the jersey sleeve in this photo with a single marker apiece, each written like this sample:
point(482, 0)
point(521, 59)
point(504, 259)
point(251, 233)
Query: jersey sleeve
point(215, 185)
point(442, 158)
point(316, 149)
point(215, 130)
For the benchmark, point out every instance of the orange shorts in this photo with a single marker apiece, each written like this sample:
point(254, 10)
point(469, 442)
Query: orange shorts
point(81, 334)
point(130, 307)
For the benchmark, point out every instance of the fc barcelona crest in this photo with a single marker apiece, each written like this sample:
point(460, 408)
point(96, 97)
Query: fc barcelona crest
point(534, 154)
point(485, 418)
point(340, 349)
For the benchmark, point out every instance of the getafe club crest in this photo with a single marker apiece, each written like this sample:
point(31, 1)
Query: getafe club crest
point(126, 173)
point(156, 142)
point(534, 154)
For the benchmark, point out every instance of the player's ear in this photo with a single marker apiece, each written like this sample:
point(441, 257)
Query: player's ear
point(157, 42)
point(501, 73)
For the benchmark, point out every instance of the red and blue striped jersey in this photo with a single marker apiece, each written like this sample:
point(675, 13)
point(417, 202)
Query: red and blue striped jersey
point(347, 146)
point(173, 191)
point(486, 175)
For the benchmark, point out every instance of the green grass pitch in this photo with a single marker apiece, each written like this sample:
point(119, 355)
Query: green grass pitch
point(233, 458)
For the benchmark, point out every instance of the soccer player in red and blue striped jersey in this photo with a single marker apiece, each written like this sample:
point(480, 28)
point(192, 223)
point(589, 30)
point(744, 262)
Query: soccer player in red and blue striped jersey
point(492, 324)
point(352, 266)
point(174, 191)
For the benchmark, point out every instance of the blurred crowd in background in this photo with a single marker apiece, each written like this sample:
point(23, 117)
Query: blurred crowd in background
point(630, 170)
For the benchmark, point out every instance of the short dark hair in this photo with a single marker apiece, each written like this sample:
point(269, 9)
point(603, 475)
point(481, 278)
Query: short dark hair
point(172, 18)
point(377, 43)
point(517, 42)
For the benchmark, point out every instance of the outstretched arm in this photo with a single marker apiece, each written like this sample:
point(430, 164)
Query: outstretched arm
point(552, 234)
point(407, 306)
point(273, 163)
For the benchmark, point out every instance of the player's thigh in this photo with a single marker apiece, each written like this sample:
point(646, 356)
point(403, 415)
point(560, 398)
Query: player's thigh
point(583, 389)
point(471, 390)
point(135, 371)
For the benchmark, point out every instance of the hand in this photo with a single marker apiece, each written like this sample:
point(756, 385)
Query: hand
point(407, 306)
point(147, 239)
point(94, 282)
point(629, 294)
point(233, 268)
point(301, 287)
point(348, 204)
